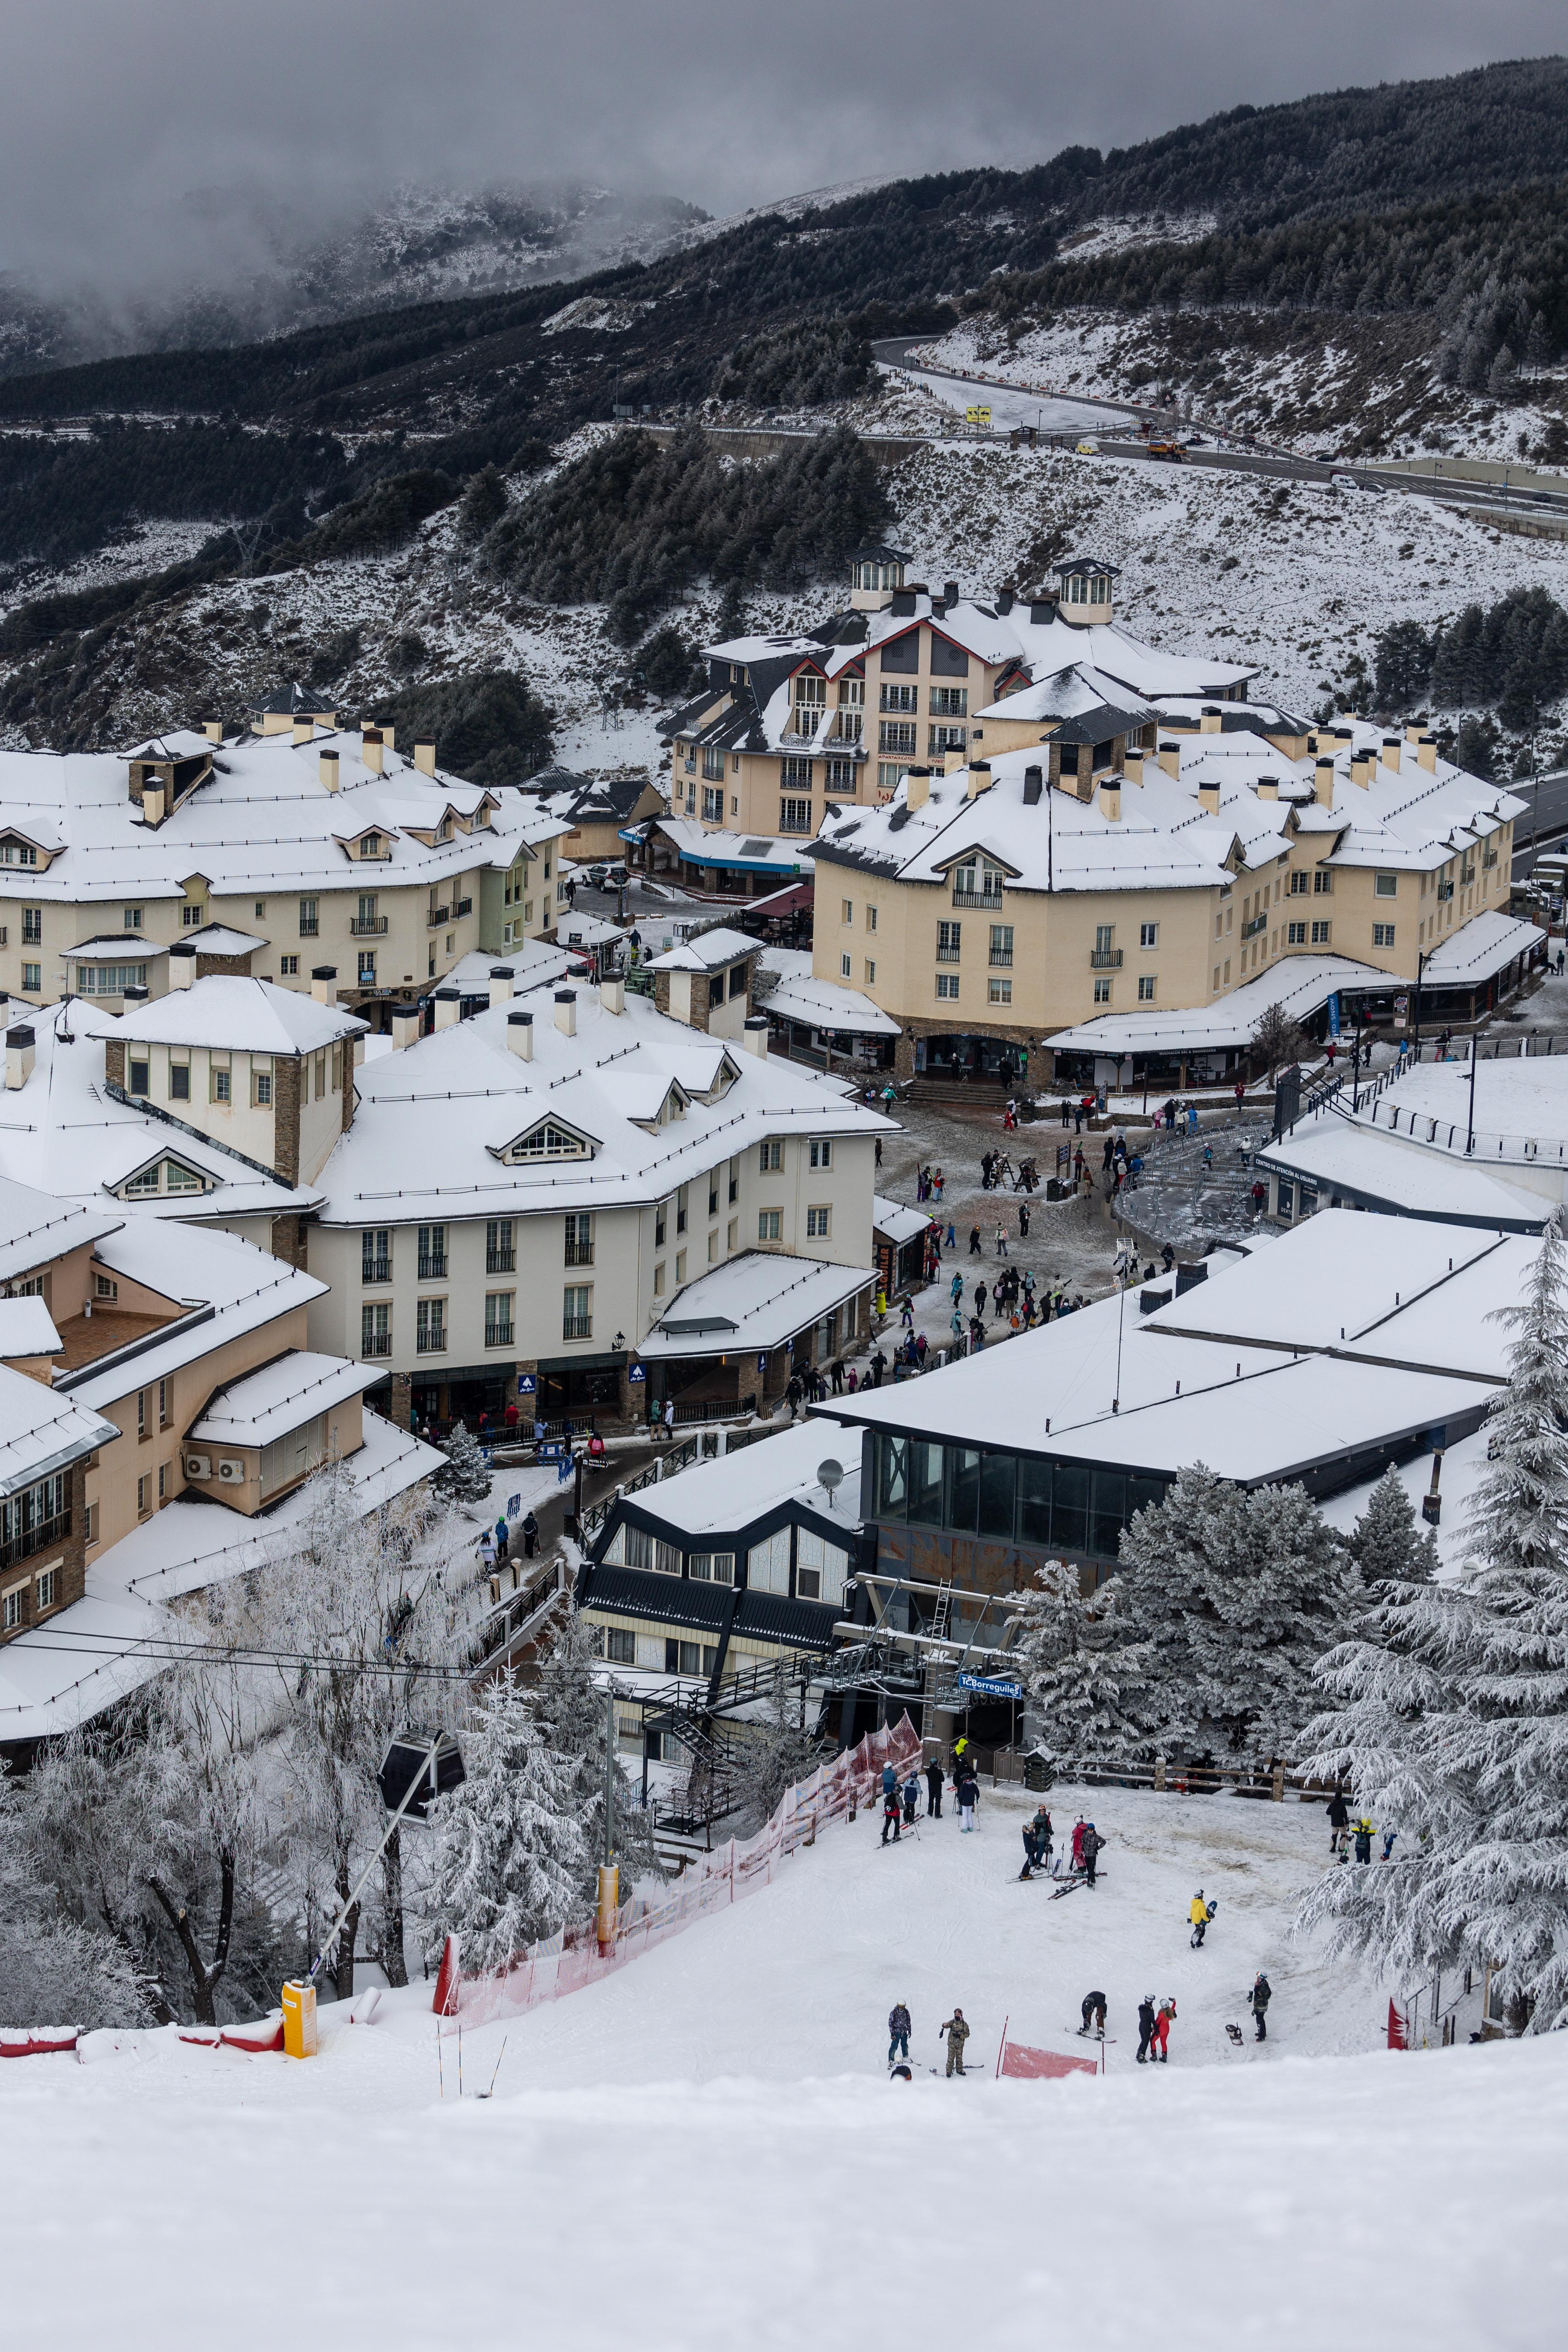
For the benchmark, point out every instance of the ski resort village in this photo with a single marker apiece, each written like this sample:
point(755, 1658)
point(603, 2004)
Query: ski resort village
point(784, 1263)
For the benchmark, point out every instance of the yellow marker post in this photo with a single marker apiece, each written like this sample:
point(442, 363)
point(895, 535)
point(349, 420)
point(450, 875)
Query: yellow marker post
point(298, 2020)
point(609, 1903)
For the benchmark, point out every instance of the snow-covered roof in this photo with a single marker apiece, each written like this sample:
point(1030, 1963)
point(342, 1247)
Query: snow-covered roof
point(1299, 985)
point(41, 1431)
point(222, 940)
point(1485, 945)
point(238, 1015)
point(574, 930)
point(1520, 1108)
point(26, 1329)
point(1394, 1174)
point(896, 1222)
point(121, 947)
point(742, 852)
point(436, 1118)
point(707, 952)
point(733, 1493)
point(533, 964)
point(36, 1226)
point(262, 820)
point(825, 1004)
point(265, 1405)
point(759, 1300)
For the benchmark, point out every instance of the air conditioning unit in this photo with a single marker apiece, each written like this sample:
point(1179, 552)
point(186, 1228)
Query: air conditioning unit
point(231, 1474)
point(198, 1465)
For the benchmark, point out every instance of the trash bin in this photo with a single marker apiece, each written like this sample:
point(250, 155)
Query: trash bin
point(1036, 1774)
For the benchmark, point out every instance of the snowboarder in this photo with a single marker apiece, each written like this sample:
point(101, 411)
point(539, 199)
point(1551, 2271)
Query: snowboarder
point(958, 2032)
point(933, 1789)
point(1257, 2000)
point(890, 1813)
point(1145, 2027)
point(967, 1788)
point(1200, 1913)
point(1167, 2010)
point(1090, 1849)
point(898, 2030)
point(1339, 1822)
point(1094, 2007)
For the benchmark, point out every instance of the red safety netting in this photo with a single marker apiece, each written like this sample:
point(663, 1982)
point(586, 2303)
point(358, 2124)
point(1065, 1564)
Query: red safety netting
point(1027, 2065)
point(572, 1958)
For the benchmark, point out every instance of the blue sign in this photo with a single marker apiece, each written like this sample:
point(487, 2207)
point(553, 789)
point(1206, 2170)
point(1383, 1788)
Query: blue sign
point(564, 1471)
point(527, 1384)
point(1333, 1014)
point(551, 1450)
point(635, 1372)
point(989, 1686)
point(761, 1364)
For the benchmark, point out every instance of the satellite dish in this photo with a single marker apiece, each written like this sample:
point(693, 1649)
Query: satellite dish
point(829, 1477)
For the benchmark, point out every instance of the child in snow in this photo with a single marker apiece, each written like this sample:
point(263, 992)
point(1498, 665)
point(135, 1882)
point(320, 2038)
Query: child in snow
point(911, 1799)
point(967, 1791)
point(1090, 1849)
point(1339, 1822)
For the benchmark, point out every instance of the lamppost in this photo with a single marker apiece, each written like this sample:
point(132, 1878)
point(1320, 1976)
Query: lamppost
point(1471, 1130)
point(1421, 962)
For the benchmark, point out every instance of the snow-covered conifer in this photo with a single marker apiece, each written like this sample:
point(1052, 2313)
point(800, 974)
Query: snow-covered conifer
point(1388, 1544)
point(774, 1752)
point(462, 1477)
point(54, 1970)
point(571, 1711)
point(507, 1866)
point(1080, 1672)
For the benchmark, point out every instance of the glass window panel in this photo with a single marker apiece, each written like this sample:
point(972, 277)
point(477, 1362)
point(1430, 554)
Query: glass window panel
point(997, 1473)
point(1034, 1501)
point(925, 1483)
point(1069, 1509)
point(1110, 1510)
point(1143, 1492)
point(891, 1477)
point(963, 1487)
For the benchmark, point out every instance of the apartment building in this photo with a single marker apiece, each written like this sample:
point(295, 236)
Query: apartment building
point(1095, 892)
point(790, 726)
point(293, 844)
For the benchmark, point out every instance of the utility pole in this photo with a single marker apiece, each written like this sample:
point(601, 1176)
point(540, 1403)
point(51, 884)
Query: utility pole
point(609, 1875)
point(1420, 968)
point(1470, 1130)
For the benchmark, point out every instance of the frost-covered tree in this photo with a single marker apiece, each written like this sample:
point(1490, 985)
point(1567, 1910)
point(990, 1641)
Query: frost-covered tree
point(1452, 1714)
point(773, 1751)
point(571, 1711)
point(1237, 1595)
point(1388, 1543)
point(54, 1970)
point(1080, 1672)
point(462, 1477)
point(510, 1858)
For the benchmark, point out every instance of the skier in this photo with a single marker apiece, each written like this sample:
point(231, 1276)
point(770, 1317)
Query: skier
point(1030, 1851)
point(1200, 1913)
point(1095, 2006)
point(1339, 1822)
point(911, 1800)
point(1260, 1996)
point(1090, 1849)
point(933, 1789)
point(1167, 2010)
point(958, 2032)
point(1145, 2027)
point(967, 1791)
point(1078, 1844)
point(890, 1813)
point(898, 2030)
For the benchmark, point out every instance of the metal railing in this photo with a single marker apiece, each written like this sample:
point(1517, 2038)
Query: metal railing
point(461, 906)
point(368, 927)
point(374, 1345)
point(435, 916)
point(577, 1327)
point(1105, 958)
point(499, 1335)
point(982, 899)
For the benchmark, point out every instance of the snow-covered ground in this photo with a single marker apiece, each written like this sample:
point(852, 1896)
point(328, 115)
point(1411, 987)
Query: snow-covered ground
point(703, 2149)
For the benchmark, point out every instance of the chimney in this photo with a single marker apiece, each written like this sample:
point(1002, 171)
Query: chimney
point(1268, 788)
point(1323, 781)
point(448, 1007)
point(134, 992)
point(613, 992)
point(1414, 730)
point(326, 769)
point(1004, 600)
point(757, 1035)
point(404, 1027)
point(18, 1057)
point(323, 982)
point(950, 592)
point(500, 983)
point(565, 1011)
point(370, 749)
point(520, 1035)
point(389, 737)
point(182, 965)
point(1133, 764)
point(213, 728)
point(424, 759)
point(1209, 799)
point(1426, 753)
point(304, 730)
point(1362, 764)
point(1211, 722)
point(1111, 802)
point(979, 777)
point(1041, 609)
point(1033, 785)
point(1391, 753)
point(916, 788)
point(1169, 756)
point(151, 804)
point(902, 604)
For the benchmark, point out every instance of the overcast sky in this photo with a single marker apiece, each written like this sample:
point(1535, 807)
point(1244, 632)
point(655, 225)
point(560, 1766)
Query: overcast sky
point(113, 117)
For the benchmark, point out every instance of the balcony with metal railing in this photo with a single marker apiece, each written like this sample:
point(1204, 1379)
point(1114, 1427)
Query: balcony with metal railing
point(433, 1266)
point(430, 1339)
point(499, 1335)
point(435, 916)
point(577, 1327)
point(461, 906)
point(1105, 958)
point(375, 1344)
point(500, 1261)
point(368, 927)
point(1001, 957)
point(34, 1538)
point(1258, 923)
point(375, 1269)
point(981, 899)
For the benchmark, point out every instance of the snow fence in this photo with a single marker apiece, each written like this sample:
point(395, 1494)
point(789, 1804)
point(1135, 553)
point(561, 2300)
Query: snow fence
point(571, 1958)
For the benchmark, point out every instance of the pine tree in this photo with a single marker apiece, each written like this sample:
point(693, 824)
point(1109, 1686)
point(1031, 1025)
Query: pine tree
point(1387, 1543)
point(571, 1710)
point(1080, 1673)
point(776, 1751)
point(1452, 1717)
point(482, 505)
point(508, 1860)
point(463, 1477)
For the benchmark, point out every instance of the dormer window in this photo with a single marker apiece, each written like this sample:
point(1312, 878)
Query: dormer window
point(166, 1177)
point(548, 1141)
point(17, 853)
point(443, 830)
point(370, 844)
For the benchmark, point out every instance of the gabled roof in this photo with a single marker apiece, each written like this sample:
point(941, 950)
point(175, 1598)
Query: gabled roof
point(238, 1015)
point(708, 952)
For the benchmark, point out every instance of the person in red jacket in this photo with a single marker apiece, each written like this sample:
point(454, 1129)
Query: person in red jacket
point(1078, 1844)
point(1158, 2048)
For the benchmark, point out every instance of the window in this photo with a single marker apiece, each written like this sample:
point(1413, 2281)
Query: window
point(846, 967)
point(499, 1318)
point(162, 1481)
point(680, 1265)
point(141, 1413)
point(16, 1608)
point(579, 1239)
point(310, 918)
point(939, 740)
point(680, 1200)
point(620, 1646)
point(822, 1151)
point(32, 926)
point(770, 1156)
point(260, 1082)
point(366, 968)
point(818, 1224)
point(1382, 935)
point(133, 918)
point(163, 1405)
point(143, 1496)
point(432, 1253)
point(820, 1568)
point(375, 1330)
point(104, 1286)
point(1146, 988)
point(1002, 943)
point(218, 1075)
point(767, 1563)
point(179, 1081)
point(1000, 992)
point(47, 1589)
point(1320, 933)
point(1101, 992)
point(949, 702)
point(767, 1224)
point(33, 979)
point(577, 1311)
point(713, 764)
point(846, 911)
point(1299, 885)
point(1322, 882)
point(794, 816)
point(1148, 935)
point(734, 1182)
point(900, 697)
point(659, 1279)
point(375, 1253)
point(1286, 1206)
point(660, 1219)
point(547, 1142)
point(948, 941)
point(947, 986)
point(498, 1253)
point(890, 774)
point(193, 918)
point(430, 1327)
point(713, 804)
point(112, 979)
point(712, 1567)
point(1386, 885)
point(1295, 935)
point(896, 735)
point(796, 772)
point(1104, 935)
point(288, 966)
point(870, 971)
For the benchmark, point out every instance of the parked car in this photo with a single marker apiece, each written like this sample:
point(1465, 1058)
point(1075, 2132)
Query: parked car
point(617, 878)
point(596, 874)
point(1089, 448)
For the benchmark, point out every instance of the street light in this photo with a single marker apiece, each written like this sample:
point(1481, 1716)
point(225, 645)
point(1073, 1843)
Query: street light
point(1422, 961)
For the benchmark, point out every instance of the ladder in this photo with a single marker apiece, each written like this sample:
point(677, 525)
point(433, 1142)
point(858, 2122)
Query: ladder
point(941, 1615)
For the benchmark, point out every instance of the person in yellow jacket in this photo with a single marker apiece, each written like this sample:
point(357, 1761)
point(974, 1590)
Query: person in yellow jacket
point(1200, 1913)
